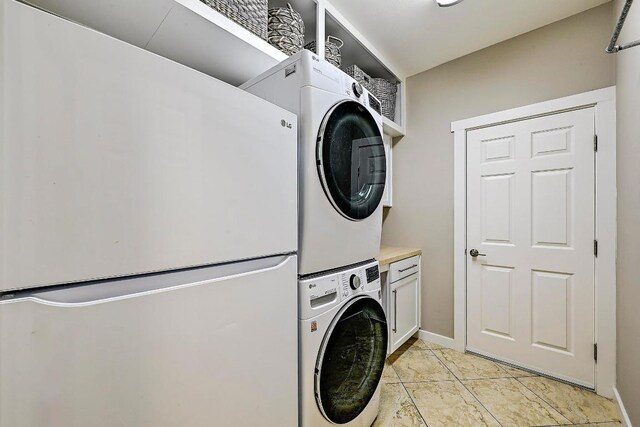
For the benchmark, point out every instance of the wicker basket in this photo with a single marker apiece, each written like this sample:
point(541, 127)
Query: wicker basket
point(331, 50)
point(382, 89)
point(286, 29)
point(251, 14)
point(385, 91)
point(360, 76)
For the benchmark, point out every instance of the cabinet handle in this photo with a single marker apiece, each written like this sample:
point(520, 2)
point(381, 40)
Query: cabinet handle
point(408, 268)
point(395, 311)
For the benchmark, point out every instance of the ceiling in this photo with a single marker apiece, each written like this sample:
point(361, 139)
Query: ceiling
point(416, 35)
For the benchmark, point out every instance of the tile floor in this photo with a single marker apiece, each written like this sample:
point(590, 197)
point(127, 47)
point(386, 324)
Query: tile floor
point(424, 384)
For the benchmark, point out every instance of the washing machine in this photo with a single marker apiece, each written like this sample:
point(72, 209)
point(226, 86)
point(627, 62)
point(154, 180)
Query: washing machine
point(341, 160)
point(343, 346)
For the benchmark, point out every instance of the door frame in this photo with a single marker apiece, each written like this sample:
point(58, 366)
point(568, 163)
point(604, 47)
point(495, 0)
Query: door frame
point(604, 103)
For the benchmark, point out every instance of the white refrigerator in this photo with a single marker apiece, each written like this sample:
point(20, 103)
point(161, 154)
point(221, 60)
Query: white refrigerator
point(148, 232)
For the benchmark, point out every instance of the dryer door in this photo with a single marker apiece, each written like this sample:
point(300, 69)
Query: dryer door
point(351, 160)
point(351, 360)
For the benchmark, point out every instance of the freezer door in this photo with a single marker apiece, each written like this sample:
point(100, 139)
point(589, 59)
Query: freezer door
point(115, 161)
point(207, 347)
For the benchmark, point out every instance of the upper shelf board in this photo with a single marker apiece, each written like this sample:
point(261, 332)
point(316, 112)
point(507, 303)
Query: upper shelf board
point(391, 128)
point(193, 34)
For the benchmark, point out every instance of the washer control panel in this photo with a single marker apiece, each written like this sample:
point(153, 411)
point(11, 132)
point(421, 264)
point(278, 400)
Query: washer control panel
point(321, 289)
point(322, 292)
point(373, 273)
point(352, 282)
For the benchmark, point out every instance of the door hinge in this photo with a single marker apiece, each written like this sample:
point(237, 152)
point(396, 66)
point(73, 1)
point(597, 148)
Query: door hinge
point(595, 248)
point(595, 352)
point(595, 143)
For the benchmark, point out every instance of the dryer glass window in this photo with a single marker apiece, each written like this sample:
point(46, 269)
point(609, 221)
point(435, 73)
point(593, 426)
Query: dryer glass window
point(351, 361)
point(351, 160)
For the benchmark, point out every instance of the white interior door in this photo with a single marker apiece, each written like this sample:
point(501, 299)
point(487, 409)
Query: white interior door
point(530, 216)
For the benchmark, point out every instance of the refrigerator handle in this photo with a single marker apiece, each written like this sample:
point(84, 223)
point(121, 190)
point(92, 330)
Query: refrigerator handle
point(96, 292)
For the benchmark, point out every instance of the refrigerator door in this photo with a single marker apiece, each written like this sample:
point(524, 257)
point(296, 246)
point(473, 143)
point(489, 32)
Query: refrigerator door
point(209, 347)
point(115, 161)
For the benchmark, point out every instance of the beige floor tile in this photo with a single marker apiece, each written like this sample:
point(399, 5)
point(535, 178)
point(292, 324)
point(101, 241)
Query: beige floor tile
point(419, 366)
point(469, 367)
point(449, 403)
point(413, 344)
point(389, 375)
point(515, 372)
point(433, 346)
point(397, 409)
point(617, 424)
point(600, 425)
point(576, 404)
point(513, 404)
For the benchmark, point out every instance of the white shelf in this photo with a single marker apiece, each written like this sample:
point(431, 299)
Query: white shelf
point(358, 51)
point(186, 31)
point(193, 34)
point(391, 128)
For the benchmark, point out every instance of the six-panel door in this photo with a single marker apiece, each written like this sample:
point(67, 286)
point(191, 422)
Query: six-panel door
point(530, 216)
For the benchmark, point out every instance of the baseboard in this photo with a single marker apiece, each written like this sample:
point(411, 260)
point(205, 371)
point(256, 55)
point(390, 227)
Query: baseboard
point(626, 422)
point(437, 339)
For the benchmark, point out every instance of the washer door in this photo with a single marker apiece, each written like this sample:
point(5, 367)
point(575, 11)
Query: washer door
point(351, 160)
point(351, 360)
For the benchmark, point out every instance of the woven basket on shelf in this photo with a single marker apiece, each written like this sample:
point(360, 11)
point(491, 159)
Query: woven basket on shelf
point(331, 50)
point(385, 91)
point(382, 89)
point(360, 76)
point(251, 14)
point(286, 29)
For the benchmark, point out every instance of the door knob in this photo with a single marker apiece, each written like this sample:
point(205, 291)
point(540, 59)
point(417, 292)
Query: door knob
point(474, 253)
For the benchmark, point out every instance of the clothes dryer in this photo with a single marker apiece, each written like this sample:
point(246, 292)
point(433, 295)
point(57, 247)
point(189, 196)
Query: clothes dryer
point(341, 160)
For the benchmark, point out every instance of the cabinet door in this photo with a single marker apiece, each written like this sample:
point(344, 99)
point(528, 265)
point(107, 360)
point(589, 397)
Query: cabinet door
point(384, 284)
point(405, 310)
point(387, 196)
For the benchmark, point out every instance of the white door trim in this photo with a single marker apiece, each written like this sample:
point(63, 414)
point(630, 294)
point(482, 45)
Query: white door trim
point(603, 100)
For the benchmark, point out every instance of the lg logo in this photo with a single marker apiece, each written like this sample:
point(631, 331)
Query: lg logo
point(285, 124)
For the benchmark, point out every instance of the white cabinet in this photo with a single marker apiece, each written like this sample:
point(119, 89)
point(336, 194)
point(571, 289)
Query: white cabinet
point(406, 310)
point(402, 300)
point(387, 196)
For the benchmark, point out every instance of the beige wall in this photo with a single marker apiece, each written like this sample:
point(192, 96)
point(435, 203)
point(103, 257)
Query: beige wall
point(628, 170)
point(561, 59)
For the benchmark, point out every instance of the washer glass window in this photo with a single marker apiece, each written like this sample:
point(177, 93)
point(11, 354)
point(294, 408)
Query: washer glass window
point(351, 160)
point(351, 361)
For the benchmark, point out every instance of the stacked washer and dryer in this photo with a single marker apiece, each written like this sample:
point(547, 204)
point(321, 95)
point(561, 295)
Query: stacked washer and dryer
point(342, 172)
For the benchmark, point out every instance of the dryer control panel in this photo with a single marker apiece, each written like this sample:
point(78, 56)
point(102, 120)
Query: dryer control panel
point(318, 294)
point(359, 93)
